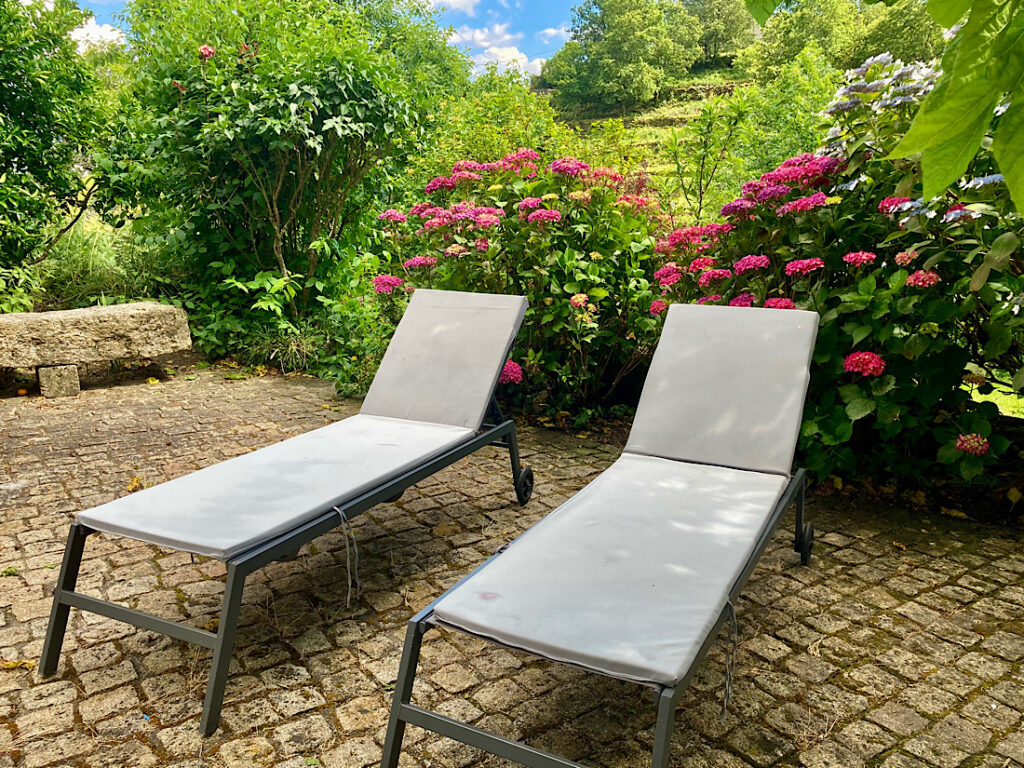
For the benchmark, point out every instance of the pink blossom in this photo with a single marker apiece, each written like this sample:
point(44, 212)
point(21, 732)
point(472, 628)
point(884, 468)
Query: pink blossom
point(438, 182)
point(424, 210)
point(700, 264)
point(658, 306)
point(804, 266)
point(709, 299)
point(864, 363)
point(905, 258)
point(520, 156)
point(713, 274)
point(890, 204)
point(750, 263)
point(207, 52)
point(698, 238)
point(668, 275)
point(635, 201)
point(974, 444)
point(859, 258)
point(604, 176)
point(923, 279)
point(420, 261)
point(529, 203)
point(387, 283)
point(487, 220)
point(511, 373)
point(802, 204)
point(461, 176)
point(544, 215)
point(772, 192)
point(779, 303)
point(743, 300)
point(807, 170)
point(455, 250)
point(739, 207)
point(579, 300)
point(392, 215)
point(482, 244)
point(569, 166)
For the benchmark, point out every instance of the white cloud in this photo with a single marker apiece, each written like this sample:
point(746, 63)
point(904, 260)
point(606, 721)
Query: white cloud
point(468, 7)
point(484, 37)
point(560, 34)
point(507, 57)
point(93, 35)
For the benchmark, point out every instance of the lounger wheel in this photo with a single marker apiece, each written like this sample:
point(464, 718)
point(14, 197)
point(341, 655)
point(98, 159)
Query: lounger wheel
point(806, 544)
point(524, 485)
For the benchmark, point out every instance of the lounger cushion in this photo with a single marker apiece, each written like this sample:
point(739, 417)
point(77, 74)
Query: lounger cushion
point(227, 508)
point(726, 387)
point(628, 577)
point(445, 358)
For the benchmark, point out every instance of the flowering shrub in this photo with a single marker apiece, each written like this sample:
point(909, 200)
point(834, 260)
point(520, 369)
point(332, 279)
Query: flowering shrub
point(577, 241)
point(920, 301)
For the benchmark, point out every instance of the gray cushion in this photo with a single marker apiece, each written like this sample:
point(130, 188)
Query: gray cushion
point(230, 507)
point(628, 577)
point(727, 387)
point(445, 358)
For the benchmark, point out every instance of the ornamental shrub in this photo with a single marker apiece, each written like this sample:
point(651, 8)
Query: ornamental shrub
point(577, 241)
point(919, 299)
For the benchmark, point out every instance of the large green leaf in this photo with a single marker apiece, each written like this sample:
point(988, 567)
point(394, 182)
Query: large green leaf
point(762, 9)
point(1007, 148)
point(945, 162)
point(948, 12)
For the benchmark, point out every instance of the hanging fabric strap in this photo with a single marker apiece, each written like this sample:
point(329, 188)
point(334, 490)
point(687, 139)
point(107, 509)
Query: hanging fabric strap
point(730, 657)
point(351, 555)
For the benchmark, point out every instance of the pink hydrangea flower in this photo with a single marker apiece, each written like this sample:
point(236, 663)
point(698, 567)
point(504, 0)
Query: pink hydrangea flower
point(749, 263)
point(482, 244)
point(392, 215)
point(974, 444)
point(859, 258)
point(701, 263)
point(438, 182)
point(802, 204)
point(890, 204)
point(709, 299)
point(779, 303)
point(579, 300)
point(529, 203)
point(207, 52)
point(923, 279)
point(511, 373)
point(387, 283)
point(455, 250)
point(658, 306)
point(668, 275)
point(569, 166)
point(713, 274)
point(772, 192)
point(544, 215)
point(864, 363)
point(487, 220)
point(738, 207)
point(804, 266)
point(520, 156)
point(806, 170)
point(635, 202)
point(743, 300)
point(460, 177)
point(604, 176)
point(420, 261)
point(905, 258)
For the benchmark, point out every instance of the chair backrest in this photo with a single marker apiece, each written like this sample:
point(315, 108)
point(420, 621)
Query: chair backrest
point(727, 387)
point(445, 358)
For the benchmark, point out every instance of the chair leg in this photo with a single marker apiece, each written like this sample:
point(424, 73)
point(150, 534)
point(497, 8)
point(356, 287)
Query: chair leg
point(663, 729)
point(66, 581)
point(798, 537)
point(403, 695)
point(522, 477)
point(226, 631)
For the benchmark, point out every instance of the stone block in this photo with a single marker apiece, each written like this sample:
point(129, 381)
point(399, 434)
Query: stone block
point(58, 381)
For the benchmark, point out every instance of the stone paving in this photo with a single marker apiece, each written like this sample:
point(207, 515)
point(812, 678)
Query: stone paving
point(901, 646)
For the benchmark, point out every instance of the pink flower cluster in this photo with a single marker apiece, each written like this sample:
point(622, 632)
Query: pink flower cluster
point(420, 261)
point(802, 204)
point(713, 274)
point(779, 304)
point(743, 300)
point(859, 258)
point(482, 244)
point(470, 170)
point(466, 214)
point(974, 444)
point(579, 300)
point(543, 215)
point(387, 283)
point(807, 170)
point(393, 215)
point(636, 202)
point(701, 263)
point(207, 52)
point(697, 239)
point(511, 373)
point(605, 177)
point(804, 266)
point(658, 306)
point(890, 204)
point(668, 275)
point(569, 166)
point(905, 258)
point(710, 299)
point(740, 207)
point(750, 263)
point(864, 363)
point(923, 279)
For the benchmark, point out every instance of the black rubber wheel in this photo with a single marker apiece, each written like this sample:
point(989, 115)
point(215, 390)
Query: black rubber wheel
point(807, 544)
point(524, 486)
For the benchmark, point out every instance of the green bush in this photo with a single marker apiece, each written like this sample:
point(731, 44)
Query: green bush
point(916, 296)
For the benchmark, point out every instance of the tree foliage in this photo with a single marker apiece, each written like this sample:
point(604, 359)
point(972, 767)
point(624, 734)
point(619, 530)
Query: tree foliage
point(725, 26)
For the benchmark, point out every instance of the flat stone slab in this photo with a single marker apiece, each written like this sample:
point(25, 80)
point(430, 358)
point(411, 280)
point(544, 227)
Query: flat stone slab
point(92, 335)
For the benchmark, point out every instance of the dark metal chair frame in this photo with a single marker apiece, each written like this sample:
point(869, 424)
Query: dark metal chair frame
point(499, 432)
point(403, 712)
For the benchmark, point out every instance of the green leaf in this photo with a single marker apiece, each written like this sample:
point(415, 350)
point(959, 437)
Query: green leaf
point(858, 409)
point(948, 12)
point(1006, 146)
point(1003, 247)
point(1018, 379)
point(882, 385)
point(850, 393)
point(948, 453)
point(762, 9)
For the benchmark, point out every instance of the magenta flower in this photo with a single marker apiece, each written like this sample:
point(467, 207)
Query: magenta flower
point(487, 220)
point(739, 207)
point(569, 166)
point(859, 258)
point(544, 215)
point(890, 204)
point(658, 306)
point(482, 244)
point(520, 156)
point(387, 283)
point(668, 275)
point(974, 444)
point(804, 266)
point(772, 192)
point(864, 363)
point(579, 300)
point(923, 279)
point(779, 303)
point(604, 176)
point(420, 261)
point(802, 204)
point(743, 300)
point(511, 373)
point(207, 52)
point(392, 215)
point(461, 176)
point(709, 299)
point(905, 258)
point(438, 182)
point(700, 264)
point(529, 203)
point(750, 263)
point(713, 274)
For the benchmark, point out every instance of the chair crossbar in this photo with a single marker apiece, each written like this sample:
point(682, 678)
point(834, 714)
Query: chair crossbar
point(174, 629)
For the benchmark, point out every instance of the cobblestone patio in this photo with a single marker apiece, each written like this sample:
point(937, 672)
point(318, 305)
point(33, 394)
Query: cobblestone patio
point(901, 646)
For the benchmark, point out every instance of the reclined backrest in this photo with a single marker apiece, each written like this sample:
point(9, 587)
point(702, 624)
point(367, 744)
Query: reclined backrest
point(726, 387)
point(445, 358)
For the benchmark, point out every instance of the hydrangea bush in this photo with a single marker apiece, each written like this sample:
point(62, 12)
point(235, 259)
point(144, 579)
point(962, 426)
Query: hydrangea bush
point(919, 299)
point(577, 241)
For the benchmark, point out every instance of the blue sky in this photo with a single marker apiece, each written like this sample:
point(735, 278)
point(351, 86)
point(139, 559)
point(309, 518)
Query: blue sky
point(517, 33)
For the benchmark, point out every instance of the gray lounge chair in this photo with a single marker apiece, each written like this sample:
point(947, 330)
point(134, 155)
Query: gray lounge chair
point(634, 576)
point(426, 409)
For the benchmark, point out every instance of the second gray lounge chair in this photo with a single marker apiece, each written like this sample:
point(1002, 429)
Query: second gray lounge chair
point(426, 409)
point(634, 576)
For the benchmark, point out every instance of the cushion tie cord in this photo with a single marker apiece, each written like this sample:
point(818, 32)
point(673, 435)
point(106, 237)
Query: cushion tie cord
point(351, 555)
point(730, 657)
